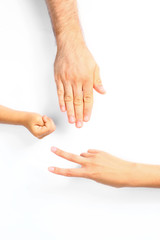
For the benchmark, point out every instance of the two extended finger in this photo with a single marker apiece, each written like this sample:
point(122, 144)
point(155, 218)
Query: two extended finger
point(73, 172)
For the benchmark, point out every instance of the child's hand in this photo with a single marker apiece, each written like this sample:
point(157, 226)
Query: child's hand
point(39, 126)
point(99, 166)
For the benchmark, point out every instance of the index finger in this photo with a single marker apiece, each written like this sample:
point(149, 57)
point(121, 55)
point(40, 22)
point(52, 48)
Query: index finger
point(69, 156)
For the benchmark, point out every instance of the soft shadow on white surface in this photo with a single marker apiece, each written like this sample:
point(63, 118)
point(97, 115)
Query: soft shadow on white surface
point(36, 204)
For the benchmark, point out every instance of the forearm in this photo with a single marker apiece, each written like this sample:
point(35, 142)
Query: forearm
point(145, 175)
point(9, 116)
point(107, 169)
point(65, 20)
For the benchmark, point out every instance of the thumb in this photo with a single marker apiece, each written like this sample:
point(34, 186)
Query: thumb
point(45, 120)
point(48, 123)
point(97, 84)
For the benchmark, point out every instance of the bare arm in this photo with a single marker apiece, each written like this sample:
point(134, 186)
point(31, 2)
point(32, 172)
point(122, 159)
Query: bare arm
point(76, 72)
point(64, 17)
point(39, 126)
point(107, 169)
point(10, 116)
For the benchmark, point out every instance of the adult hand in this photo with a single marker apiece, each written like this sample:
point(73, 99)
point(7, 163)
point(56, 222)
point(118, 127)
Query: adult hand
point(76, 74)
point(99, 166)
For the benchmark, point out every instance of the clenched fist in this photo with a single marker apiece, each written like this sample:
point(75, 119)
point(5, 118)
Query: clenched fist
point(39, 126)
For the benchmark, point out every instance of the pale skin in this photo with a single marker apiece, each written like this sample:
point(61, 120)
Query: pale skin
point(39, 126)
point(76, 75)
point(75, 70)
point(107, 169)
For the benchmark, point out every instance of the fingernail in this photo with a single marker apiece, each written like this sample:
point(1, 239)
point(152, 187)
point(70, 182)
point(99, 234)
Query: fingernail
point(102, 88)
point(51, 169)
point(71, 119)
point(53, 149)
point(79, 124)
point(86, 118)
point(63, 109)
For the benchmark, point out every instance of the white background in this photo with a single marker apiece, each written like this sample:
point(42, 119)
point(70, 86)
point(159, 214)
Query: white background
point(124, 37)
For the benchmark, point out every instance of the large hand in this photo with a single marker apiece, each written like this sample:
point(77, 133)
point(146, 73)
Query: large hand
point(76, 74)
point(39, 126)
point(99, 166)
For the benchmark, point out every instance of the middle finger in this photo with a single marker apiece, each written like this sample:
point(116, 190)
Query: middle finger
point(78, 105)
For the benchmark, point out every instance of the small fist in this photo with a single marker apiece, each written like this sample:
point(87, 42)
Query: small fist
point(39, 126)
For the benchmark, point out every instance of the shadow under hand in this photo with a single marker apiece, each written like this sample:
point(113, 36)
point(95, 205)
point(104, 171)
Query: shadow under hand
point(16, 135)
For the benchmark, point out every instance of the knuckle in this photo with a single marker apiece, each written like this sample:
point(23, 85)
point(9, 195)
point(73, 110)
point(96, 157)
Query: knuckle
point(67, 75)
point(68, 98)
point(94, 162)
point(72, 157)
point(60, 92)
point(88, 98)
point(68, 173)
point(93, 175)
point(77, 82)
point(88, 162)
point(78, 101)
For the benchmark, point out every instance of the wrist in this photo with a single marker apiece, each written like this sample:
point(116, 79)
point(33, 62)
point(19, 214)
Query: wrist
point(133, 175)
point(23, 118)
point(70, 39)
point(128, 176)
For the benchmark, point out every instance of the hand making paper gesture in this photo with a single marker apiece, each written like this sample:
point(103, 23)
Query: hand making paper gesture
point(76, 72)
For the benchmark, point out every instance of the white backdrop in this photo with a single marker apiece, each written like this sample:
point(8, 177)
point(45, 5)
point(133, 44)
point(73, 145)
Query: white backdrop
point(124, 37)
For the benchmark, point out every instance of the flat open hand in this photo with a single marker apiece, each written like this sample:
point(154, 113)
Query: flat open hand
point(97, 165)
point(76, 74)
